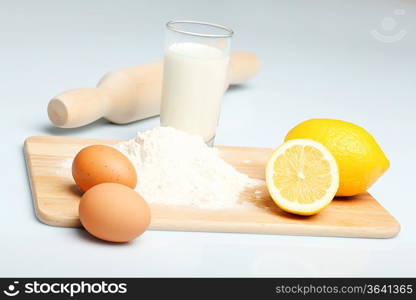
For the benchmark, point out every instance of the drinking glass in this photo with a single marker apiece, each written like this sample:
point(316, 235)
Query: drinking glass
point(195, 74)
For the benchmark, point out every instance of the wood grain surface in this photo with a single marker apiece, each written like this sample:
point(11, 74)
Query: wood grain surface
point(56, 199)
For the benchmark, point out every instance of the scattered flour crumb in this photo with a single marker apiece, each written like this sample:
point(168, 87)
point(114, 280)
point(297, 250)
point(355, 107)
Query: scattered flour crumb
point(65, 167)
point(176, 168)
point(247, 161)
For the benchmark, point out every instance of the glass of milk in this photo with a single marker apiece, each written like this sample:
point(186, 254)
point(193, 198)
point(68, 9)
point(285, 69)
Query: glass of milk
point(194, 76)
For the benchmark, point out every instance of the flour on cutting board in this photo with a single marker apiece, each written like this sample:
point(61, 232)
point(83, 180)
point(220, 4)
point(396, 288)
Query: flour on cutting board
point(176, 168)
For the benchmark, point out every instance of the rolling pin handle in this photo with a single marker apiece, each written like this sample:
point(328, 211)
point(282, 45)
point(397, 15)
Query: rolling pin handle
point(77, 107)
point(243, 66)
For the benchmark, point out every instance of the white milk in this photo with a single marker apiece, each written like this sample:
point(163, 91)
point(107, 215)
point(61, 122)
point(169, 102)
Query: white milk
point(194, 82)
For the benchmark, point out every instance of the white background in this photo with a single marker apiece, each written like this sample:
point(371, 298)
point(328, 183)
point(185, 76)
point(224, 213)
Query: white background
point(319, 59)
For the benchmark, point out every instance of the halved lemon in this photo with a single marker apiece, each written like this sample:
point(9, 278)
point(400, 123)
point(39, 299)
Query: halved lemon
point(302, 177)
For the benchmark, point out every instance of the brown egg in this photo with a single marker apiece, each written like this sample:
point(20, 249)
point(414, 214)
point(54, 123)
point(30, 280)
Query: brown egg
point(114, 212)
point(98, 164)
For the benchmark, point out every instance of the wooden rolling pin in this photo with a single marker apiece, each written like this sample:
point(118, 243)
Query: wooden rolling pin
point(130, 94)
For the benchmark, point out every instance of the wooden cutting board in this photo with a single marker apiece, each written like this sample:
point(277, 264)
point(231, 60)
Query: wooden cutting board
point(56, 199)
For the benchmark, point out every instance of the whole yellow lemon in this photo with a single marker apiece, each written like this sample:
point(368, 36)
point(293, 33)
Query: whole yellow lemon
point(360, 159)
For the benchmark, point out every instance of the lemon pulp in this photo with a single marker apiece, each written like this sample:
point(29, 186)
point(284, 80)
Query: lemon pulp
point(302, 176)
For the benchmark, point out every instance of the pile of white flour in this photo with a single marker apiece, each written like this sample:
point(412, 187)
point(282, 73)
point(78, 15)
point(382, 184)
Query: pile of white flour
point(176, 168)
